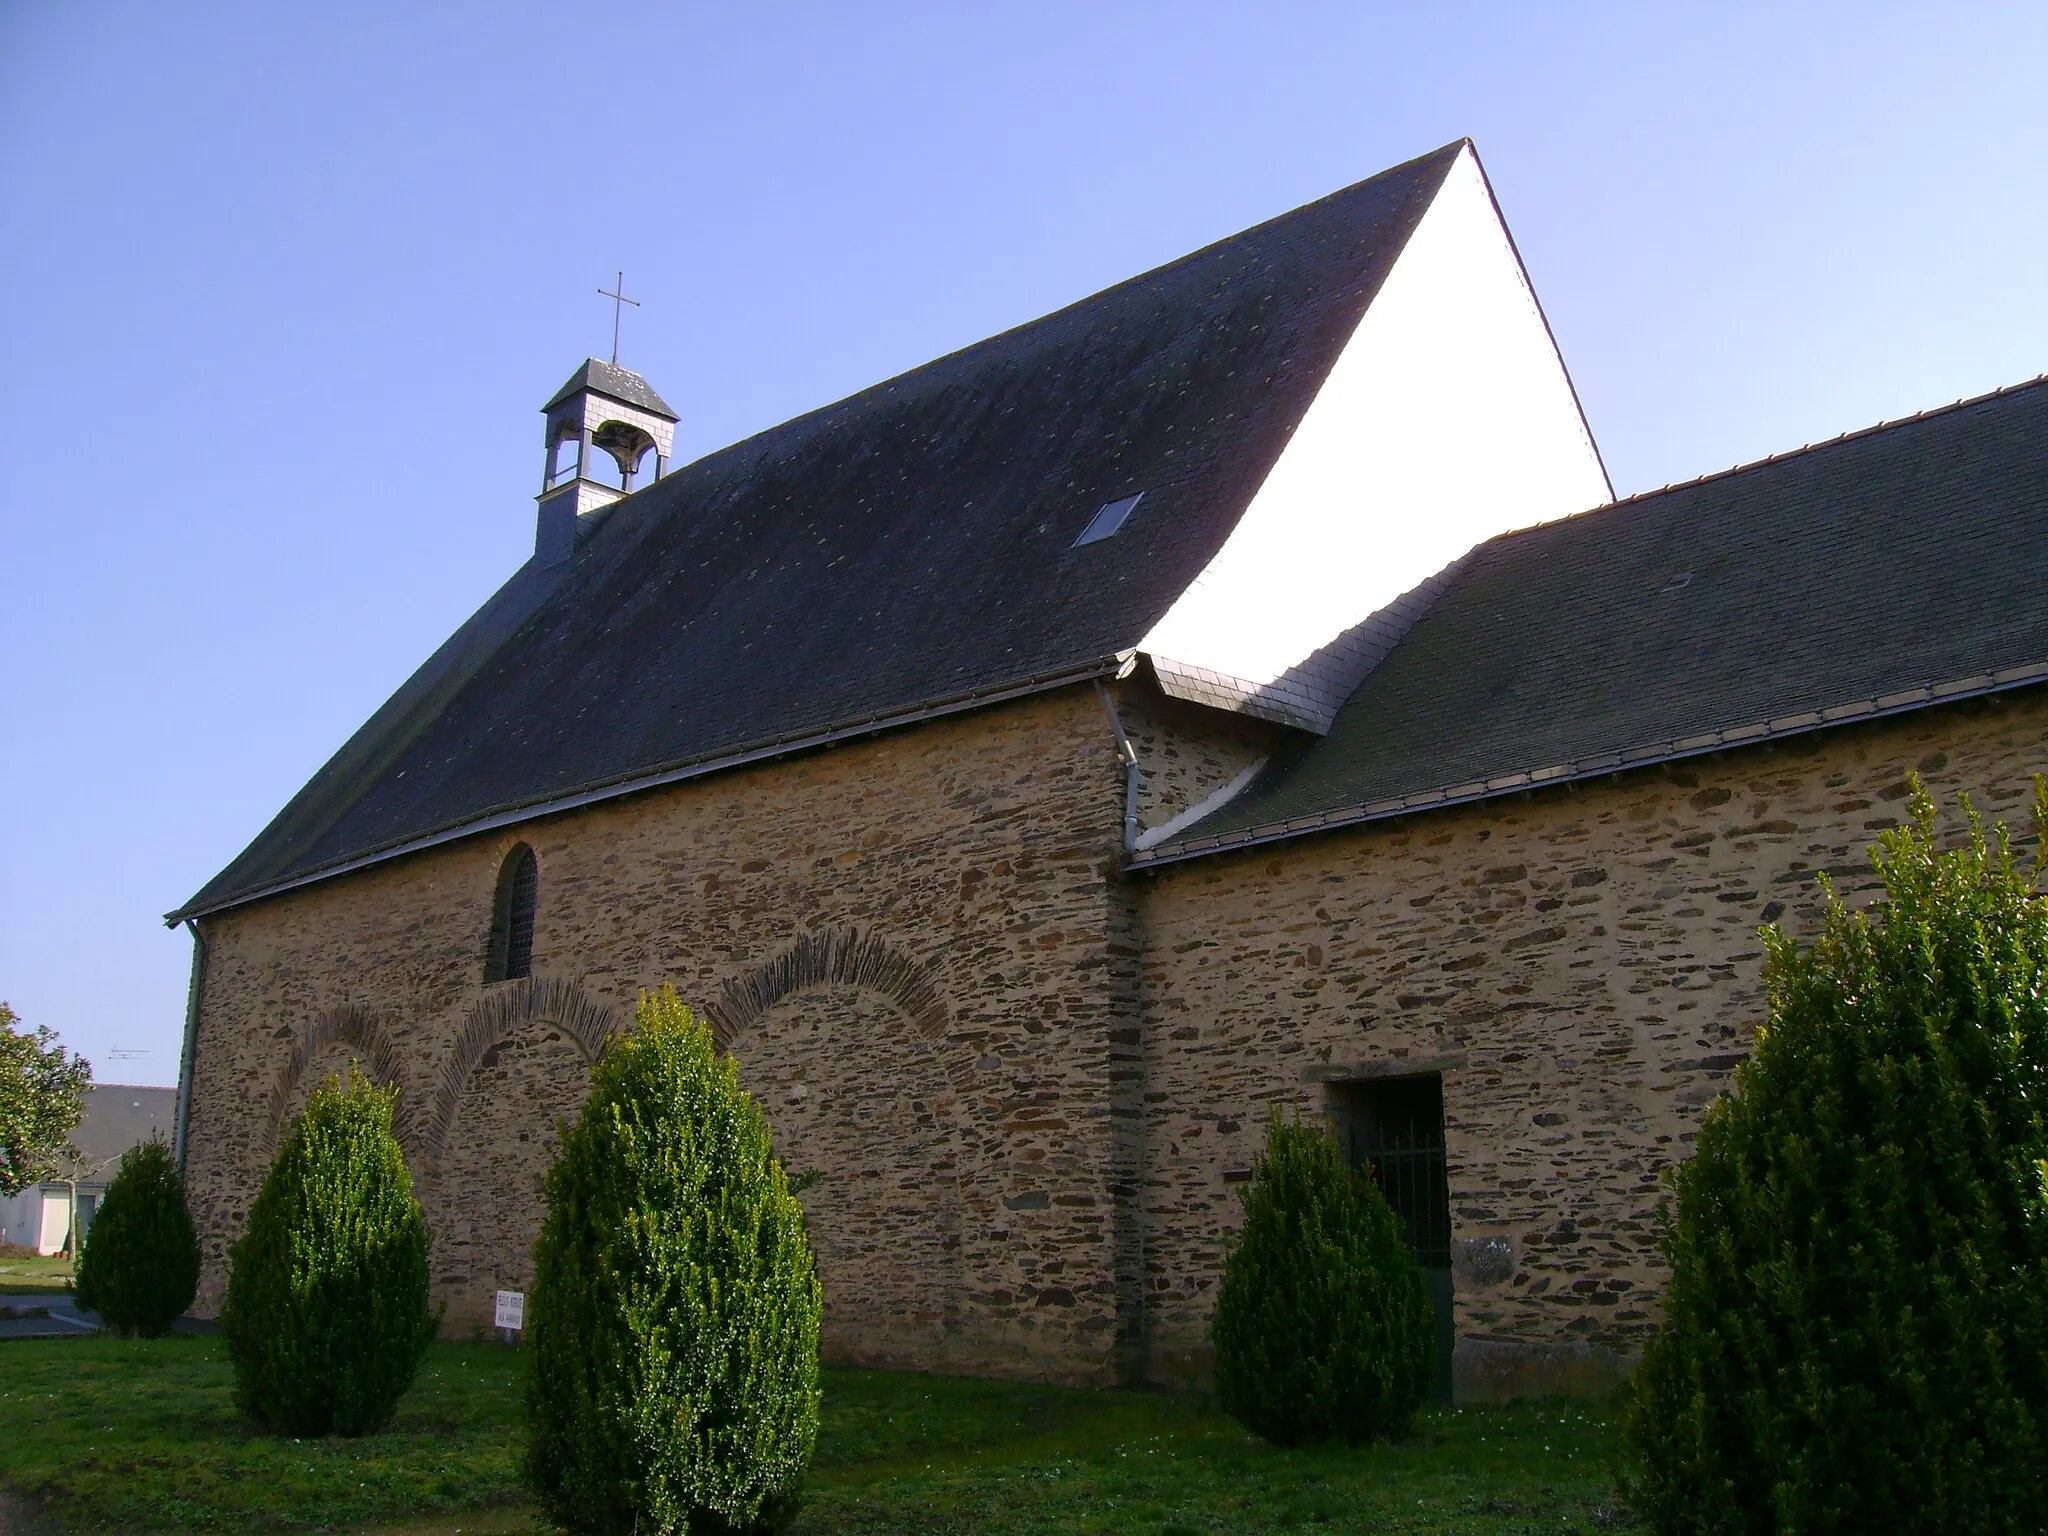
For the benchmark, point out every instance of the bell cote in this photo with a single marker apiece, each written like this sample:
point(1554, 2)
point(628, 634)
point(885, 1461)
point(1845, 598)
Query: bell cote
point(601, 428)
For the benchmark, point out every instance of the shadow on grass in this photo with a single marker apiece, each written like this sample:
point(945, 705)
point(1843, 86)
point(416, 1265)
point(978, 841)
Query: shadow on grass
point(934, 1454)
point(142, 1435)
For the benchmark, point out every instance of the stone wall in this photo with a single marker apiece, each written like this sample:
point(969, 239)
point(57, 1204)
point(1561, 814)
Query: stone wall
point(1582, 967)
point(906, 942)
point(1031, 1087)
point(1187, 752)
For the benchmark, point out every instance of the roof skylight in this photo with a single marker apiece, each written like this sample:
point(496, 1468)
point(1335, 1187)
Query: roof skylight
point(1107, 521)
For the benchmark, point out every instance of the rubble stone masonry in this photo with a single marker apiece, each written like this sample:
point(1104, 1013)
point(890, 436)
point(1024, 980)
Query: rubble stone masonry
point(1032, 1085)
point(1582, 966)
point(1186, 753)
point(903, 941)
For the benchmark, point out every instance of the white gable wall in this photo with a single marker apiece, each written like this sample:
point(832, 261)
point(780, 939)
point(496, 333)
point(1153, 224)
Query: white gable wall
point(1447, 418)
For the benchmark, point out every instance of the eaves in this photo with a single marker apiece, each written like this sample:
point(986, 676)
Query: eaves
point(1644, 756)
point(673, 773)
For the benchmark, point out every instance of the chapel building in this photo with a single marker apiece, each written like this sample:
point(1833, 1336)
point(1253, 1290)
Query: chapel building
point(1238, 689)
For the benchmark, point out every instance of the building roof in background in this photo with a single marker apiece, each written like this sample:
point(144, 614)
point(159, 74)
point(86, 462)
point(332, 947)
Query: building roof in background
point(911, 544)
point(610, 379)
point(119, 1116)
point(1886, 570)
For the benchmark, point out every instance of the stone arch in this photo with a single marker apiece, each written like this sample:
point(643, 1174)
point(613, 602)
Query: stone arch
point(838, 956)
point(626, 444)
point(351, 1025)
point(492, 1019)
point(844, 1040)
point(516, 1071)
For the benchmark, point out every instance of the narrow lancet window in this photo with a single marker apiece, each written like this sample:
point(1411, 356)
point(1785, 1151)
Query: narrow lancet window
point(510, 955)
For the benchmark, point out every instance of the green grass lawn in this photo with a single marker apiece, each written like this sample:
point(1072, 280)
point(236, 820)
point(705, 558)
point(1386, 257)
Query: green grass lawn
point(44, 1277)
point(131, 1435)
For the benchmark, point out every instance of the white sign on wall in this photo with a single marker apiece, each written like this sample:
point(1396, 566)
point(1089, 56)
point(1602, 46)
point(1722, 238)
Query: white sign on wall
point(511, 1309)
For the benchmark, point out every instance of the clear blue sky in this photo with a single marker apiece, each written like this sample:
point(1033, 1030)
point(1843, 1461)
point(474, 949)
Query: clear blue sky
point(282, 288)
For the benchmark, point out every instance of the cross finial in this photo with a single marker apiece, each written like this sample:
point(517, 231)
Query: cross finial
point(617, 294)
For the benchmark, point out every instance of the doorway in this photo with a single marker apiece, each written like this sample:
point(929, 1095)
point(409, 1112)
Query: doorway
point(1394, 1127)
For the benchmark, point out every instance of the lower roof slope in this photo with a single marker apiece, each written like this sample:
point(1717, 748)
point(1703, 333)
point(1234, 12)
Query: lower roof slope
point(119, 1116)
point(1881, 571)
point(910, 543)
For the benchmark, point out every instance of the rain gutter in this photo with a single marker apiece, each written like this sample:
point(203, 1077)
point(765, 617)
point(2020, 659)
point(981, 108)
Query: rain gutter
point(675, 773)
point(1129, 755)
point(1599, 766)
point(186, 1054)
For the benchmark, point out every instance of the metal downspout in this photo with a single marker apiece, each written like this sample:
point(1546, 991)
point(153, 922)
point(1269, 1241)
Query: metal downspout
point(1130, 757)
point(191, 1046)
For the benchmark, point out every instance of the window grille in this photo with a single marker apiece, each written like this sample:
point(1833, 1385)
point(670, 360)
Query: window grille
point(1394, 1128)
point(510, 955)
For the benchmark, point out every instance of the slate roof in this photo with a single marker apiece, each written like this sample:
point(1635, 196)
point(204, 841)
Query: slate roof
point(907, 548)
point(1887, 570)
point(610, 379)
point(119, 1116)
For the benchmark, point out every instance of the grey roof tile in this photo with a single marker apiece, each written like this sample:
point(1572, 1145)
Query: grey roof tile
point(912, 542)
point(119, 1116)
point(610, 379)
point(1885, 570)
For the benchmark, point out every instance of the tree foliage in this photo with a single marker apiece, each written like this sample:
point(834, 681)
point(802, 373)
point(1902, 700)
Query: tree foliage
point(42, 1099)
point(326, 1317)
point(674, 1318)
point(1856, 1332)
point(1323, 1326)
point(140, 1267)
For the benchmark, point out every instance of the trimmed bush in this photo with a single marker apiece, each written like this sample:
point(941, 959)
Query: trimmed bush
point(673, 1324)
point(1323, 1327)
point(140, 1268)
point(326, 1317)
point(1855, 1337)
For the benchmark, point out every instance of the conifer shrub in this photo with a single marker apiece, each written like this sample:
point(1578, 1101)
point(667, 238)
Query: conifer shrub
point(673, 1323)
point(1323, 1328)
point(140, 1267)
point(326, 1318)
point(1855, 1337)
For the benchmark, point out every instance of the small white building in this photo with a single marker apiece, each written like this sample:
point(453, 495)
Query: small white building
point(117, 1116)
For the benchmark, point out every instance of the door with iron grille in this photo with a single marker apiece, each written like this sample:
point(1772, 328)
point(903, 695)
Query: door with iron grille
point(1394, 1126)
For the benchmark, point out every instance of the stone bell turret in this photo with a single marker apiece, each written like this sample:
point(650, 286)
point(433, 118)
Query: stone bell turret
point(603, 408)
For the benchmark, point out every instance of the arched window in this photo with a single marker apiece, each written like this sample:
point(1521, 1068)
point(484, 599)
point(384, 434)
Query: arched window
point(510, 955)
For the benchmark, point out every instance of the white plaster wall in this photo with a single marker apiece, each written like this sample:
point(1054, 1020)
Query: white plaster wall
point(21, 1218)
point(1447, 418)
point(40, 1216)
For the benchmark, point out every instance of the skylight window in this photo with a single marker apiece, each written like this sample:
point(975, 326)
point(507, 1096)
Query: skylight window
point(1112, 517)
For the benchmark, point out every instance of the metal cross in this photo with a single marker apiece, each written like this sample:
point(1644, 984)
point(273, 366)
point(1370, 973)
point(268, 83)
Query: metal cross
point(617, 294)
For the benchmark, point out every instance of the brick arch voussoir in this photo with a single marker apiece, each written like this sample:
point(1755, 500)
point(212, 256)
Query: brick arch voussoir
point(494, 1017)
point(346, 1025)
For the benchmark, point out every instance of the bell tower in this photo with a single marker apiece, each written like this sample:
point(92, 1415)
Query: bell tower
point(602, 409)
